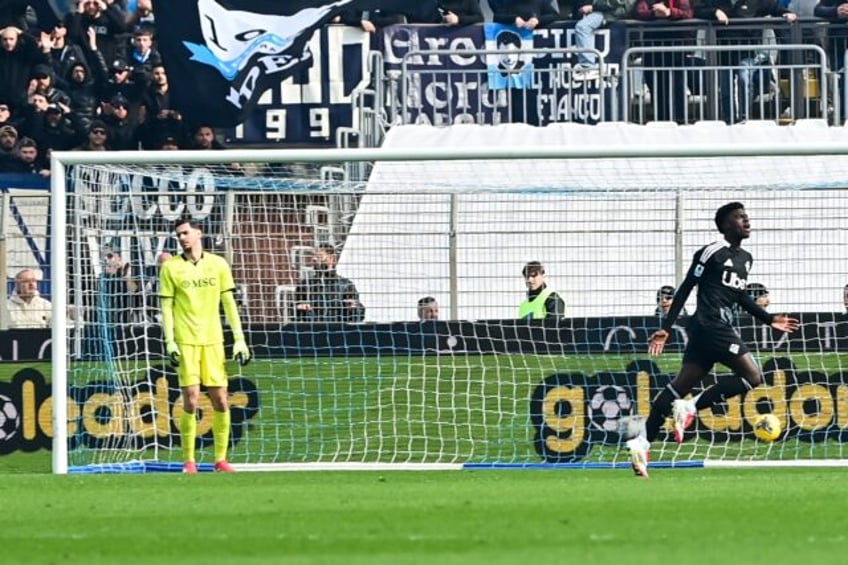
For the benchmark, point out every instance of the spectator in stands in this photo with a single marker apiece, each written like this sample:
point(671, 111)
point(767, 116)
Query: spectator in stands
point(845, 298)
point(120, 287)
point(759, 293)
point(324, 296)
point(142, 17)
point(19, 54)
point(54, 131)
point(733, 109)
point(63, 54)
point(668, 87)
point(460, 12)
point(372, 20)
point(527, 14)
point(428, 309)
point(97, 137)
point(157, 117)
point(108, 21)
point(27, 309)
point(169, 143)
point(665, 295)
point(591, 16)
point(121, 130)
point(541, 301)
point(5, 114)
point(82, 91)
point(31, 160)
point(567, 9)
point(42, 82)
point(8, 141)
point(142, 55)
point(203, 138)
point(125, 81)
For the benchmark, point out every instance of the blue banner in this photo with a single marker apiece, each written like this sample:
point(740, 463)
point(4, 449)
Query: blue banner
point(457, 85)
point(512, 68)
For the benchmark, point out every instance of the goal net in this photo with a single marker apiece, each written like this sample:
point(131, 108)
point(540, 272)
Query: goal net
point(358, 380)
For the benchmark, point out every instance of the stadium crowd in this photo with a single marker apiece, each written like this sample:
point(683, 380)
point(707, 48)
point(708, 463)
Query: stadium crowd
point(95, 81)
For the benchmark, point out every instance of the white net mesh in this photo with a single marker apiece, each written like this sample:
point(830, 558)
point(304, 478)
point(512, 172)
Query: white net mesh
point(358, 378)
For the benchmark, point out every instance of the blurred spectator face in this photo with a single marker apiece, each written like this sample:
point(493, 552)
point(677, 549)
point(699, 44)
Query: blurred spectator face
point(26, 285)
point(203, 137)
point(78, 74)
point(39, 102)
point(323, 261)
point(90, 7)
point(97, 136)
point(120, 111)
point(159, 77)
point(5, 113)
point(763, 301)
point(845, 298)
point(170, 144)
point(429, 311)
point(60, 31)
point(53, 117)
point(534, 279)
point(8, 140)
point(120, 75)
point(9, 39)
point(142, 43)
point(42, 82)
point(28, 154)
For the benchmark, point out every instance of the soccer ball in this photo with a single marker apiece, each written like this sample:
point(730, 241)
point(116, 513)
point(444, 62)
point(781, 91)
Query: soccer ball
point(767, 427)
point(608, 404)
point(10, 419)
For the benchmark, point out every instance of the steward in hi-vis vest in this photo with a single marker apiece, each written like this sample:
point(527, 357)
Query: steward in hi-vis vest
point(541, 302)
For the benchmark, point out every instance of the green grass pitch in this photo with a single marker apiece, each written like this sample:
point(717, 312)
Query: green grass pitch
point(678, 516)
point(751, 516)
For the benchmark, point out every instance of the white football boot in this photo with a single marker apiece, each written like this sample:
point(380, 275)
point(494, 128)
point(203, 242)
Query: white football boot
point(640, 453)
point(683, 412)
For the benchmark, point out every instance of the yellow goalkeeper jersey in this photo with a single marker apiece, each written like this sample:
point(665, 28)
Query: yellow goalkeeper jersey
point(196, 289)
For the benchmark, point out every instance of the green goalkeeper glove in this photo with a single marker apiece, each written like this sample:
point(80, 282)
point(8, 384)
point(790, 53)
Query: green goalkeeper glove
point(173, 352)
point(240, 352)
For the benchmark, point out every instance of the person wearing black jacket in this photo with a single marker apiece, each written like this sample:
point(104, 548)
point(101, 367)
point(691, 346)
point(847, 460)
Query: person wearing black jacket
point(527, 14)
point(324, 296)
point(460, 12)
point(746, 67)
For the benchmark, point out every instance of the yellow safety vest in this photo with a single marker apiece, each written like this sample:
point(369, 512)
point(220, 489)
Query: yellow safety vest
point(535, 309)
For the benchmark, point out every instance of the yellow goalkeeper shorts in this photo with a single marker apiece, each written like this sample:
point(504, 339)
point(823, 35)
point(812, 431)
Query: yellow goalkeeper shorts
point(202, 364)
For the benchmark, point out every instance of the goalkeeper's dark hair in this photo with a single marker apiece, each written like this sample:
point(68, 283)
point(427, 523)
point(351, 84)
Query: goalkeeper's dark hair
point(187, 220)
point(723, 212)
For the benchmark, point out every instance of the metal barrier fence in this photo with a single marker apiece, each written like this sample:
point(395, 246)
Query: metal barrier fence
point(759, 68)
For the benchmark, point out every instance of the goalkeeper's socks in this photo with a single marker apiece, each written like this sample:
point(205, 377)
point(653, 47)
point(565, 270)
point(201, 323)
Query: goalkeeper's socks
point(724, 389)
point(188, 434)
point(660, 409)
point(221, 434)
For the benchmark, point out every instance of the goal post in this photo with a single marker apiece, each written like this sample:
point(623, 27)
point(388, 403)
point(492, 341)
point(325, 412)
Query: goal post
point(477, 388)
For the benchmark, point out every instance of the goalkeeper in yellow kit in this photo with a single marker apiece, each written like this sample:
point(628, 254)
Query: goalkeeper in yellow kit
point(192, 286)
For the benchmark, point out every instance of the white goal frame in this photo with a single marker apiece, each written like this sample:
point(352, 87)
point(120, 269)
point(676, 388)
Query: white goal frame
point(60, 161)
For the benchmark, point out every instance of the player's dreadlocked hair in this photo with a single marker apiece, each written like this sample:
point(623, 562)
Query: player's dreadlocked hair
point(724, 212)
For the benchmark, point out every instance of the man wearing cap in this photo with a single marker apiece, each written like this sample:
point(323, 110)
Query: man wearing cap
point(121, 129)
point(97, 137)
point(8, 141)
point(541, 302)
point(759, 293)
